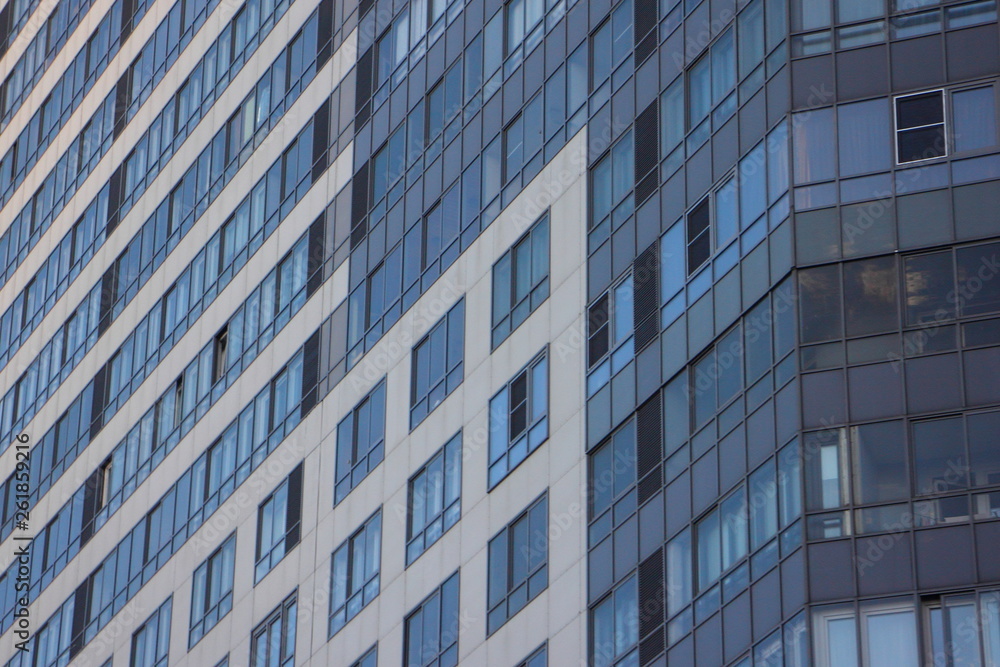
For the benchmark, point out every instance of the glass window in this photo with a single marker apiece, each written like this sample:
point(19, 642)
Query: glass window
point(979, 294)
point(672, 116)
point(939, 459)
point(813, 149)
point(518, 558)
point(611, 324)
point(434, 498)
point(151, 642)
point(699, 236)
point(437, 364)
point(870, 299)
point(212, 590)
point(836, 636)
point(519, 419)
point(522, 16)
point(825, 458)
point(962, 625)
point(751, 37)
point(521, 280)
point(354, 581)
point(537, 659)
point(612, 179)
point(369, 659)
point(810, 14)
point(863, 134)
point(432, 629)
point(974, 113)
point(679, 578)
point(615, 627)
point(920, 130)
point(820, 304)
point(360, 441)
point(278, 523)
point(392, 47)
point(983, 430)
point(929, 283)
point(763, 504)
point(889, 633)
point(272, 643)
point(880, 467)
point(859, 10)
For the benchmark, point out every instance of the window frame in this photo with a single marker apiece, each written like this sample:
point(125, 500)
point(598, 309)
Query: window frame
point(454, 369)
point(450, 513)
point(531, 577)
point(287, 609)
point(946, 125)
point(533, 422)
point(370, 588)
point(420, 608)
point(538, 286)
point(207, 606)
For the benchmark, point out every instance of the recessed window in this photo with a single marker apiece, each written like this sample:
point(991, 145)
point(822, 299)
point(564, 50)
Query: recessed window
point(434, 499)
point(519, 419)
point(431, 630)
point(518, 559)
point(151, 642)
point(360, 442)
point(273, 640)
point(437, 364)
point(521, 280)
point(278, 526)
point(212, 590)
point(355, 578)
point(920, 127)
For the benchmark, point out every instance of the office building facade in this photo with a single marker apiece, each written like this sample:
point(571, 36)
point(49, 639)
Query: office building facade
point(538, 332)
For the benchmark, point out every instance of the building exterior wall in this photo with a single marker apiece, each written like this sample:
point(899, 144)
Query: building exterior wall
point(757, 241)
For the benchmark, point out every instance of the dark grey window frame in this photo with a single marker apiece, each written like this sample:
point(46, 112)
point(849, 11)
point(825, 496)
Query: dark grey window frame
point(361, 462)
point(514, 594)
point(506, 319)
point(450, 458)
point(423, 401)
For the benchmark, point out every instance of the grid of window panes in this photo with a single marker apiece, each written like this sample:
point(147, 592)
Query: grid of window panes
point(518, 416)
point(431, 631)
point(369, 659)
point(518, 564)
point(538, 658)
point(278, 528)
point(355, 576)
point(437, 364)
point(521, 280)
point(272, 643)
point(360, 442)
point(151, 642)
point(859, 143)
point(873, 22)
point(212, 590)
point(956, 628)
point(434, 498)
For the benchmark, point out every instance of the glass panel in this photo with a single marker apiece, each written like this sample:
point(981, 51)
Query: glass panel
point(939, 456)
point(863, 133)
point(892, 638)
point(813, 147)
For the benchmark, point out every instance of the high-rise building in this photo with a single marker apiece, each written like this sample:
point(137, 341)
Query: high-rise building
point(604, 333)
